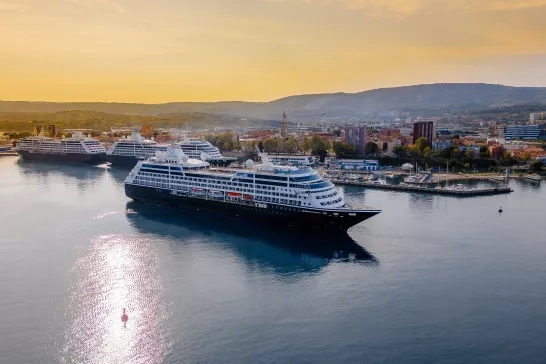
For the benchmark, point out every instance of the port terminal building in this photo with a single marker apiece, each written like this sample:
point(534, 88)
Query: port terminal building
point(354, 164)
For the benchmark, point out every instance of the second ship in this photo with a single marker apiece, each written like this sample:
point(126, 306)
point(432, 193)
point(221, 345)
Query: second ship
point(128, 151)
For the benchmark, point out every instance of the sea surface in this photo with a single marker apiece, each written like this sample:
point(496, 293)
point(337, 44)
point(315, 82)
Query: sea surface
point(430, 280)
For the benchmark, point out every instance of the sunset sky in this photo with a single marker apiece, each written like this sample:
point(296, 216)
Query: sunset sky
point(257, 50)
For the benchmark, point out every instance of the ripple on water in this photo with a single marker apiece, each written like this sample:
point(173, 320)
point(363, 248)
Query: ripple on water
point(118, 271)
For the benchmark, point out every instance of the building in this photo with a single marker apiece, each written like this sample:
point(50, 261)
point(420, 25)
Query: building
point(496, 150)
point(537, 116)
point(524, 132)
point(357, 136)
point(284, 126)
point(474, 148)
point(355, 164)
point(292, 160)
point(514, 146)
point(441, 144)
point(424, 129)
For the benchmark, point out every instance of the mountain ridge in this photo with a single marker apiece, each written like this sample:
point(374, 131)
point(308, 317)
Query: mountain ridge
point(368, 103)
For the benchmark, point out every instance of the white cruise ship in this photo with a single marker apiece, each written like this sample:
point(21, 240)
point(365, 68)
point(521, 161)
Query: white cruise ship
point(275, 194)
point(77, 148)
point(128, 151)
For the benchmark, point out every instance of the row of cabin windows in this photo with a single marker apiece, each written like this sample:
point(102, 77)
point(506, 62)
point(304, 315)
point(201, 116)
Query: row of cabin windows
point(331, 202)
point(266, 190)
point(326, 196)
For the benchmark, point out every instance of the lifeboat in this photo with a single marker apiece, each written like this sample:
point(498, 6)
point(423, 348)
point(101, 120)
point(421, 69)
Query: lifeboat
point(248, 197)
point(234, 194)
point(198, 191)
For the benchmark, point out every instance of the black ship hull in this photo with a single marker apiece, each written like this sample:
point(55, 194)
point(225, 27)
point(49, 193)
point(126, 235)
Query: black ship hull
point(65, 158)
point(131, 161)
point(122, 160)
point(293, 216)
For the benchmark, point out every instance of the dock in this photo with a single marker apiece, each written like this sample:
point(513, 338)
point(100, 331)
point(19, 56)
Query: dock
point(436, 191)
point(536, 179)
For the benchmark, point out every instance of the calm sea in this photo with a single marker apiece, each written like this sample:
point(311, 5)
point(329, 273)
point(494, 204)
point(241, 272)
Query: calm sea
point(430, 280)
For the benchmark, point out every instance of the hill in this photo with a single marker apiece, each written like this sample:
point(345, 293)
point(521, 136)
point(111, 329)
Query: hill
point(366, 105)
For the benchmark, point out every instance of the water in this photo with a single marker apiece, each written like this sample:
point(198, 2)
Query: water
point(430, 280)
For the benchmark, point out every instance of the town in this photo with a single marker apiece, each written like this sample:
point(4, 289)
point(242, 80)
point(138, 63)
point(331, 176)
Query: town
point(426, 144)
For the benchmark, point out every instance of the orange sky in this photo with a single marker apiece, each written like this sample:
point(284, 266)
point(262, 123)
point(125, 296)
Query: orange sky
point(256, 50)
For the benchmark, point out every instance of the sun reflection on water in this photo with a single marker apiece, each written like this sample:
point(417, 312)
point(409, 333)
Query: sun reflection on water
point(120, 271)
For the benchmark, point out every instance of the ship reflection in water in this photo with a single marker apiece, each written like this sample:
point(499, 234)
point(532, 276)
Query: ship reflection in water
point(286, 251)
point(177, 270)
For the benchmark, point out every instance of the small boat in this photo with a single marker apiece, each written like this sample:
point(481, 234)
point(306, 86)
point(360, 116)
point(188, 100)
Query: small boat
point(248, 197)
point(500, 209)
point(124, 317)
point(198, 191)
point(234, 194)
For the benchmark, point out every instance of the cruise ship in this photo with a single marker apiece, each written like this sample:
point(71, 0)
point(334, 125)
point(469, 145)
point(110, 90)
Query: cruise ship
point(284, 195)
point(77, 148)
point(128, 151)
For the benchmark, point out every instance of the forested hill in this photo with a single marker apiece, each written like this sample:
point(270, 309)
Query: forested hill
point(419, 97)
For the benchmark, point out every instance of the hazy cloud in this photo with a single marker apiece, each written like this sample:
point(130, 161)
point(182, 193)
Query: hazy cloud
point(11, 7)
point(403, 8)
point(102, 5)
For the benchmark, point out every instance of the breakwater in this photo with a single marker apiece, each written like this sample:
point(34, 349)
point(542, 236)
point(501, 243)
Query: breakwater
point(437, 191)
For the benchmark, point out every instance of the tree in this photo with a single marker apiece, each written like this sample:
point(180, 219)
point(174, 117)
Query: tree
point(484, 152)
point(290, 145)
point(399, 150)
point(227, 142)
point(422, 143)
point(344, 150)
point(469, 154)
point(536, 166)
point(318, 144)
point(249, 145)
point(524, 157)
point(371, 148)
point(427, 152)
point(272, 145)
point(306, 145)
point(211, 139)
point(414, 151)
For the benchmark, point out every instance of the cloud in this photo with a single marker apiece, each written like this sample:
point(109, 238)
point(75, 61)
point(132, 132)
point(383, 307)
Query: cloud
point(506, 5)
point(11, 7)
point(405, 8)
point(102, 5)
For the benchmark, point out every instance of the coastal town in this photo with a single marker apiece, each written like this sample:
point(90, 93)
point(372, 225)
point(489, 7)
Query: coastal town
point(414, 154)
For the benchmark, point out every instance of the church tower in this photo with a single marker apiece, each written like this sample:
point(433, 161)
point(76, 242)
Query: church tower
point(284, 125)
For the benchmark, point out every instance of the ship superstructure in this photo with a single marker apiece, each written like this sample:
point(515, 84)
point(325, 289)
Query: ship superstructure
point(128, 151)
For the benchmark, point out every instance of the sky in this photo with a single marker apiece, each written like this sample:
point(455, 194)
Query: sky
point(154, 51)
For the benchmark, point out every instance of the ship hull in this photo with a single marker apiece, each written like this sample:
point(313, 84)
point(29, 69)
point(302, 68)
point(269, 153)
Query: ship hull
point(122, 161)
point(65, 158)
point(269, 213)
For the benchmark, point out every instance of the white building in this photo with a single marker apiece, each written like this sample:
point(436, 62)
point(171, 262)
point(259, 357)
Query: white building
point(441, 144)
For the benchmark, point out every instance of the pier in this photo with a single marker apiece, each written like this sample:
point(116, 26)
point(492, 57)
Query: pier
point(437, 191)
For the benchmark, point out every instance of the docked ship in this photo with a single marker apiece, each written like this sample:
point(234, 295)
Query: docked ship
point(284, 195)
point(128, 151)
point(77, 148)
